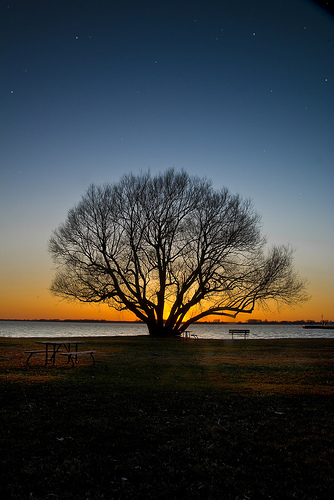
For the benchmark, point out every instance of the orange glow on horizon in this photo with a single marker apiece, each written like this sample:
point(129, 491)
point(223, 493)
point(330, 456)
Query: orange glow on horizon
point(48, 307)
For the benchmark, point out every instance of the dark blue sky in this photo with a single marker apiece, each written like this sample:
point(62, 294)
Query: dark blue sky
point(241, 92)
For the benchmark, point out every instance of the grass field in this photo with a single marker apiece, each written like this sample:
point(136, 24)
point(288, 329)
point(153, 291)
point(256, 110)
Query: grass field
point(169, 419)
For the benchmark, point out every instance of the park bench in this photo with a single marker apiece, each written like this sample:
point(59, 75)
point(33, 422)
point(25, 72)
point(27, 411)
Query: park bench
point(239, 332)
point(73, 356)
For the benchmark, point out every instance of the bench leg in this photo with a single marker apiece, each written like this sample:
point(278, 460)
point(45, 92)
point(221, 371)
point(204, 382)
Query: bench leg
point(92, 358)
point(29, 357)
point(70, 358)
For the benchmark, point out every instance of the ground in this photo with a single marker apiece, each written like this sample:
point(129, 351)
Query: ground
point(169, 419)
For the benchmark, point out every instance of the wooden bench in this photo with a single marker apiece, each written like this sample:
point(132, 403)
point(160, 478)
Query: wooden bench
point(31, 353)
point(239, 332)
point(73, 356)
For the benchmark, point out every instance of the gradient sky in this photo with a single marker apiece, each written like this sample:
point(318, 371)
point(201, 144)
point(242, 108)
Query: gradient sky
point(241, 92)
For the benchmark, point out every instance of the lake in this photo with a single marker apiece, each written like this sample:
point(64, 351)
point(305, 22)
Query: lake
point(205, 331)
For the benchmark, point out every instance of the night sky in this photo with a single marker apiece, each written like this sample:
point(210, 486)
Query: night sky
point(239, 91)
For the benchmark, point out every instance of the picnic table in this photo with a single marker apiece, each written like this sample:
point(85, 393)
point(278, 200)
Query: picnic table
point(186, 334)
point(53, 347)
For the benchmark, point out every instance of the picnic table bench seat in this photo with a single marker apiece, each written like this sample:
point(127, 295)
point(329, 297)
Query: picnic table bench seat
point(72, 356)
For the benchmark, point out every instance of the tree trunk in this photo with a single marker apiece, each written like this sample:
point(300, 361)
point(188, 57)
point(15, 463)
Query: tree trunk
point(156, 330)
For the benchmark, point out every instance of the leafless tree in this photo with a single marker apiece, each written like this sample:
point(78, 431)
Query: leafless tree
point(172, 250)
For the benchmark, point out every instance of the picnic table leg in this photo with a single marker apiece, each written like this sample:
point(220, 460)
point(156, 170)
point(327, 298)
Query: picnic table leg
point(70, 359)
point(46, 354)
point(76, 350)
point(55, 350)
point(68, 348)
point(53, 357)
point(29, 357)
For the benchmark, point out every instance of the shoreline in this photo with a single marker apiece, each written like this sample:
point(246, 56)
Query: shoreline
point(30, 329)
point(123, 338)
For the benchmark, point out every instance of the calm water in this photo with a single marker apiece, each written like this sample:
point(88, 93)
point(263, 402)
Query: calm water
point(212, 331)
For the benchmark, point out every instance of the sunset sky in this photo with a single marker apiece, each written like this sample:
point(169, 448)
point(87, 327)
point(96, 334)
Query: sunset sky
point(239, 91)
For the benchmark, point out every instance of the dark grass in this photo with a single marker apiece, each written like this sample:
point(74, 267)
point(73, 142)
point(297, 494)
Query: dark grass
point(169, 419)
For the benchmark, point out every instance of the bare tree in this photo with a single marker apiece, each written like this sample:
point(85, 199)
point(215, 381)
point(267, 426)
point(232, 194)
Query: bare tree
point(170, 249)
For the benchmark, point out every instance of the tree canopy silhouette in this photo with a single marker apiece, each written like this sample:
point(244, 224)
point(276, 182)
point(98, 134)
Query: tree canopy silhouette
point(172, 250)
